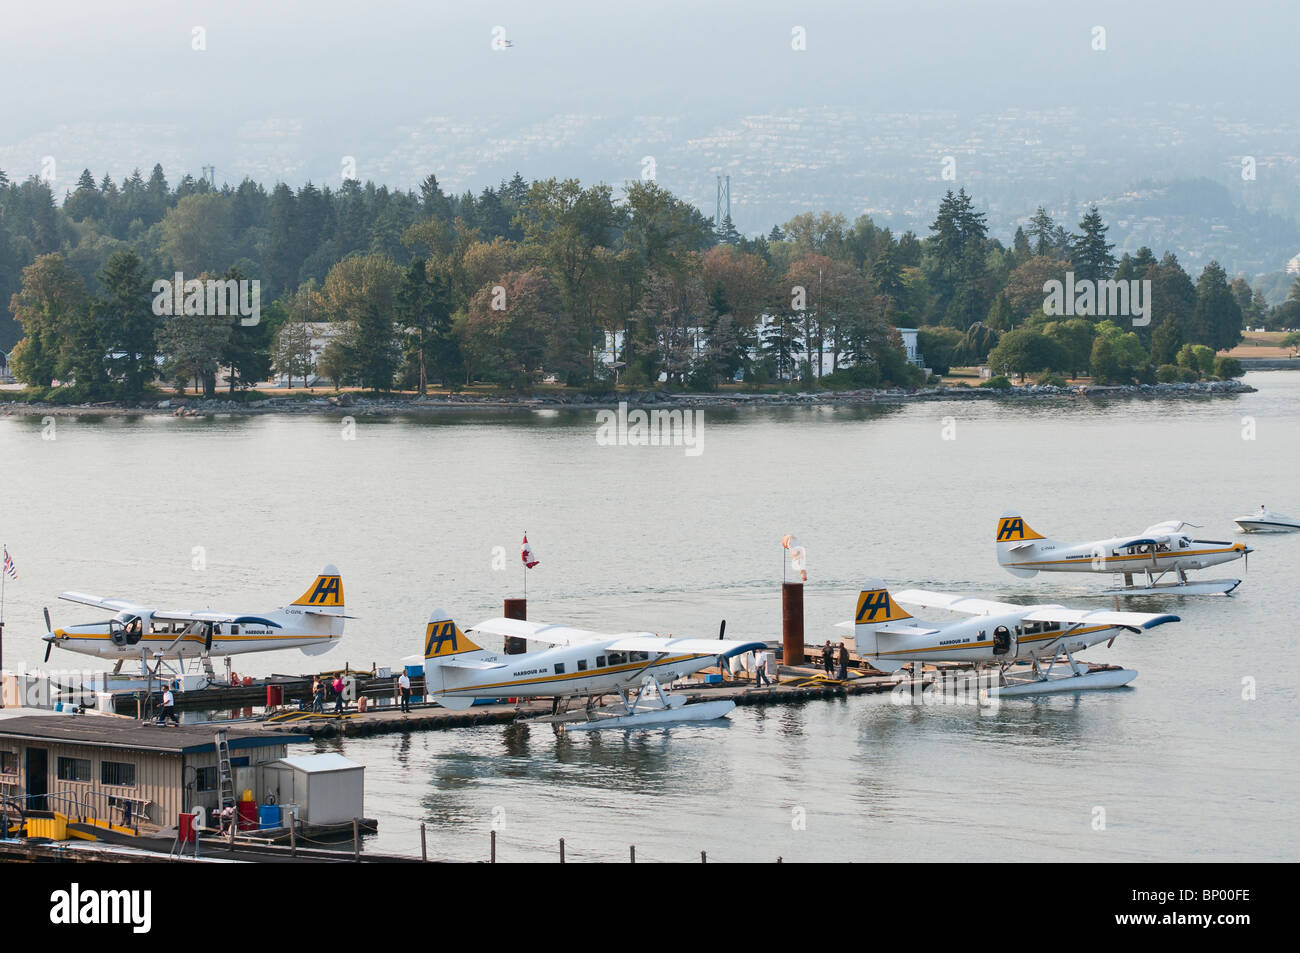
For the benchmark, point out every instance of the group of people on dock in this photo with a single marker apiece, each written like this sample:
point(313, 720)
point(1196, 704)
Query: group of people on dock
point(828, 661)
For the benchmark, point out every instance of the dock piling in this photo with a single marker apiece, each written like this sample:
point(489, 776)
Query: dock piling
point(632, 851)
point(792, 647)
point(424, 847)
point(561, 850)
point(515, 609)
point(493, 858)
point(356, 842)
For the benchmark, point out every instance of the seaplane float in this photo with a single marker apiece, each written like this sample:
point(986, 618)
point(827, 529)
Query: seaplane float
point(578, 664)
point(999, 634)
point(1267, 522)
point(1143, 560)
point(313, 623)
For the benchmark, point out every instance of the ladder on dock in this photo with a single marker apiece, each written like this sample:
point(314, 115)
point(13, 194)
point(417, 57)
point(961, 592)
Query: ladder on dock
point(225, 777)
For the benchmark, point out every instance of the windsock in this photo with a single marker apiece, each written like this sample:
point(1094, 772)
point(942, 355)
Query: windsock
point(526, 554)
point(798, 556)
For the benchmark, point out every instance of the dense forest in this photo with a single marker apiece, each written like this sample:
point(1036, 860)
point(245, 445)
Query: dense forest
point(533, 279)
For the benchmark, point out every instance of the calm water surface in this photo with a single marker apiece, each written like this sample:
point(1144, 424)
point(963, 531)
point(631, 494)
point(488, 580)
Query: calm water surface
point(412, 512)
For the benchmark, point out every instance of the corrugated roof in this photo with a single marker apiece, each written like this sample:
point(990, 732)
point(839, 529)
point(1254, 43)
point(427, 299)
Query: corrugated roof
point(103, 731)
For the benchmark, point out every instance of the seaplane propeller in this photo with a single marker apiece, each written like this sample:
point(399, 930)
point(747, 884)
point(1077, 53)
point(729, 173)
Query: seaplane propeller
point(48, 628)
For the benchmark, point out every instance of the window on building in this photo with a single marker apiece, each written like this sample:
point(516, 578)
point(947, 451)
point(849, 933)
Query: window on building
point(74, 769)
point(117, 772)
point(206, 779)
point(8, 762)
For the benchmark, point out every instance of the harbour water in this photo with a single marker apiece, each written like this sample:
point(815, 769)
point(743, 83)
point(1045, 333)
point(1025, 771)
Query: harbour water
point(1197, 761)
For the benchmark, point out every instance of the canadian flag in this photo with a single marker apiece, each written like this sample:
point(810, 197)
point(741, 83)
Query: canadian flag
point(526, 554)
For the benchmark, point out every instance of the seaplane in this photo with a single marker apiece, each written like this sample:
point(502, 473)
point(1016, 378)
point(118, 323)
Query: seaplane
point(999, 634)
point(1267, 522)
point(1148, 556)
point(577, 664)
point(313, 623)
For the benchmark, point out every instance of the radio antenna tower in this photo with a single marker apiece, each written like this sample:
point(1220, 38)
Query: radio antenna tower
point(722, 210)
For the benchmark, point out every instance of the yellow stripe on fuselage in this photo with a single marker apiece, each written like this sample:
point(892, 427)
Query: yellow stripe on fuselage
point(586, 673)
point(1020, 640)
point(1074, 560)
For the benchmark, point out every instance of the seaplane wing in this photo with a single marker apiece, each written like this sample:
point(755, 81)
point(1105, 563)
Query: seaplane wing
point(540, 631)
point(117, 605)
point(645, 642)
point(1133, 621)
point(954, 603)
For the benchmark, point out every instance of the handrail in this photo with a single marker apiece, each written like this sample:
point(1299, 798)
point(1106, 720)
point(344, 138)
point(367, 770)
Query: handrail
point(83, 806)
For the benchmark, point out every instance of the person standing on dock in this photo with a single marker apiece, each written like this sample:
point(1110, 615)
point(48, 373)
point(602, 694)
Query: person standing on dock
point(338, 694)
point(828, 659)
point(317, 696)
point(168, 710)
point(843, 673)
point(404, 690)
point(760, 669)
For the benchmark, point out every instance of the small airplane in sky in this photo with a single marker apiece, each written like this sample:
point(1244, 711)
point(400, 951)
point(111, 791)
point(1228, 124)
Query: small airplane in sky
point(313, 623)
point(579, 663)
point(999, 633)
point(1153, 554)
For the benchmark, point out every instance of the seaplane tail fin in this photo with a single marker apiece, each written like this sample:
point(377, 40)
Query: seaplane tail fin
point(443, 639)
point(1016, 541)
point(876, 607)
point(325, 595)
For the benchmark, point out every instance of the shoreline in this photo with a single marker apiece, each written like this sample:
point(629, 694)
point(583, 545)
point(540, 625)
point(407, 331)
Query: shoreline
point(415, 406)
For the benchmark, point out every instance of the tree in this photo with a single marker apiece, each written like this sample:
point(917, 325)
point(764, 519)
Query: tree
point(192, 347)
point(1074, 338)
point(1040, 230)
point(424, 312)
point(1216, 319)
point(1090, 253)
point(361, 292)
point(129, 320)
point(292, 354)
point(1026, 351)
point(46, 305)
point(196, 234)
point(515, 335)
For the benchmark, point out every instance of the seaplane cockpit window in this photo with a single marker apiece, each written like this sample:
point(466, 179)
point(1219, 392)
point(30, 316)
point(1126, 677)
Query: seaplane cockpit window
point(1184, 543)
point(125, 628)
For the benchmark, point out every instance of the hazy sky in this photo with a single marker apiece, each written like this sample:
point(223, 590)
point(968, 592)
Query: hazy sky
point(110, 85)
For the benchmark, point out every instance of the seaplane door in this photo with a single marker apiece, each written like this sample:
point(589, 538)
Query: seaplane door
point(1001, 640)
point(125, 629)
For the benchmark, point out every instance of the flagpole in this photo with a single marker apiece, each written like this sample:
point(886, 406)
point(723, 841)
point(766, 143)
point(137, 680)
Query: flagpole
point(3, 574)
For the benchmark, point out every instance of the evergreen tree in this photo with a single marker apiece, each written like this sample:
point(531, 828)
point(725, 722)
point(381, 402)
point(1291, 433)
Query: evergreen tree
point(1090, 252)
point(1040, 230)
point(129, 321)
point(1216, 320)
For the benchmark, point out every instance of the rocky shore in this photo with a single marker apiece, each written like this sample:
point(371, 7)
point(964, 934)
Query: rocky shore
point(394, 406)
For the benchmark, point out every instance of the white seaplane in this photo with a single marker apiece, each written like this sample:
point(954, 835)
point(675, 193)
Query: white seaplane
point(1000, 633)
point(1267, 522)
point(578, 664)
point(313, 623)
point(1154, 553)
